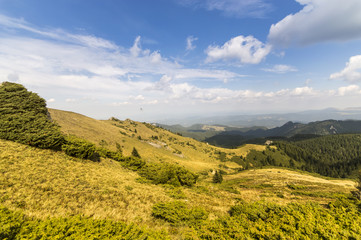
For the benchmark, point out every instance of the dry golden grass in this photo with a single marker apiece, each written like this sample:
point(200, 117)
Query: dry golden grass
point(200, 157)
point(169, 147)
point(47, 183)
point(283, 186)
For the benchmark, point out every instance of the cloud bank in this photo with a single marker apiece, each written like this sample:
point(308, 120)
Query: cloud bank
point(318, 21)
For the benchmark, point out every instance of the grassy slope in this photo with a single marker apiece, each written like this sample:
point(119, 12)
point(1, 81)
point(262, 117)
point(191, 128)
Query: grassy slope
point(170, 147)
point(45, 183)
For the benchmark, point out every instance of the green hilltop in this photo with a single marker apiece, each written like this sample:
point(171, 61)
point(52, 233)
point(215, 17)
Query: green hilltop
point(81, 178)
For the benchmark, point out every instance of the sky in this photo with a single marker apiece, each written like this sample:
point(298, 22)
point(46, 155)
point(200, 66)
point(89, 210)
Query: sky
point(158, 59)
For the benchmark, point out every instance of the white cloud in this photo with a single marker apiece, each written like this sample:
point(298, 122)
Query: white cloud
point(162, 85)
point(9, 23)
point(93, 76)
point(83, 62)
point(281, 69)
point(349, 90)
point(189, 41)
point(351, 72)
point(245, 49)
point(139, 97)
point(135, 50)
point(302, 91)
point(232, 8)
point(318, 21)
point(51, 100)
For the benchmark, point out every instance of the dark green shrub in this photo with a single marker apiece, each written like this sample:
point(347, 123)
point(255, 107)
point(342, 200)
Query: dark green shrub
point(133, 163)
point(24, 118)
point(166, 173)
point(10, 223)
point(105, 153)
point(80, 148)
point(15, 225)
point(178, 212)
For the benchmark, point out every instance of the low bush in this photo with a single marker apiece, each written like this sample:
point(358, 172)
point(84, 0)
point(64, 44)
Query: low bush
point(178, 212)
point(106, 153)
point(133, 163)
point(166, 173)
point(80, 148)
point(15, 225)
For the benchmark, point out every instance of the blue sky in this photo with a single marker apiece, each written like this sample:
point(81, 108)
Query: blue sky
point(157, 59)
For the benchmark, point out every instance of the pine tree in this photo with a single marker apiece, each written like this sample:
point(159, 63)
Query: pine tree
point(218, 178)
point(135, 153)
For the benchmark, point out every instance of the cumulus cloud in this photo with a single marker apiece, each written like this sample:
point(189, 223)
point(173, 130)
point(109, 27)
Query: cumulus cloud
point(318, 21)
point(245, 49)
point(302, 91)
point(351, 73)
point(189, 41)
point(349, 90)
point(232, 8)
point(281, 69)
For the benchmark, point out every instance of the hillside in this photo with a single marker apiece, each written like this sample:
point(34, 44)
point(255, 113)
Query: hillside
point(153, 143)
point(202, 132)
point(44, 183)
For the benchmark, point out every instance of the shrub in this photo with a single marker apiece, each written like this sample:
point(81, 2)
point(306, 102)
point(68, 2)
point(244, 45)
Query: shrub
point(24, 118)
point(15, 225)
point(178, 212)
point(133, 163)
point(166, 173)
point(80, 148)
point(10, 223)
point(105, 153)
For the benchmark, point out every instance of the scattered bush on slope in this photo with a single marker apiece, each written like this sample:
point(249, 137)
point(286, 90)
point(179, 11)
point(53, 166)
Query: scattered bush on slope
point(24, 118)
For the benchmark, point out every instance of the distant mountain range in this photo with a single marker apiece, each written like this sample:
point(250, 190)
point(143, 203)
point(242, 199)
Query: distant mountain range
point(224, 136)
point(269, 120)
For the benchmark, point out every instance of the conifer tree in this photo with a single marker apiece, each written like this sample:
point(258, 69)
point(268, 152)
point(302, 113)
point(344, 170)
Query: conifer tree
point(135, 153)
point(218, 178)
